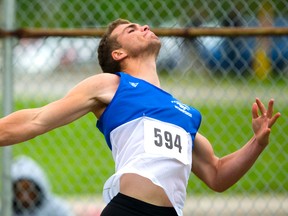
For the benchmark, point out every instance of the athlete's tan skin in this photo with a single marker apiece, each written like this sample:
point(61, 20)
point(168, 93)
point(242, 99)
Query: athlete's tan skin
point(95, 93)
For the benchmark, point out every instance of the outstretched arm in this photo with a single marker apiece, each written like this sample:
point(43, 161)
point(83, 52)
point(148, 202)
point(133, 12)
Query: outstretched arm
point(28, 123)
point(91, 95)
point(221, 173)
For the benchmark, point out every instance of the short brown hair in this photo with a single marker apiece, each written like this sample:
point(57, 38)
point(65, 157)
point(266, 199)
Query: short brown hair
point(107, 45)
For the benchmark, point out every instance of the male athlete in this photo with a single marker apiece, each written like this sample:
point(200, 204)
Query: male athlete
point(153, 137)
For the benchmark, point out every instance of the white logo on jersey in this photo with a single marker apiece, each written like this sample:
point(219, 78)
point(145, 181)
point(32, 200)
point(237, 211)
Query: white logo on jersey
point(133, 84)
point(182, 107)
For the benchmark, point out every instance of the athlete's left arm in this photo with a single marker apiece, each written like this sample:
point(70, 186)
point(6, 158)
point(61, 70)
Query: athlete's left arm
point(221, 173)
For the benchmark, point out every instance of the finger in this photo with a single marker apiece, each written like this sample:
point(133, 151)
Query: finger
point(270, 108)
point(261, 106)
point(274, 119)
point(255, 111)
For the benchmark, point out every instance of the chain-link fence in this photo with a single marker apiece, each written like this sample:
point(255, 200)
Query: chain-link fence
point(220, 76)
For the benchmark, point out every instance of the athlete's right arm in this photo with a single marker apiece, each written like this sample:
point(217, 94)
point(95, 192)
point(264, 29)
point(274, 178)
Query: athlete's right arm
point(90, 95)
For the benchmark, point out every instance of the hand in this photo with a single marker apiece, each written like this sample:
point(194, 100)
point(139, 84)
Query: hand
point(262, 123)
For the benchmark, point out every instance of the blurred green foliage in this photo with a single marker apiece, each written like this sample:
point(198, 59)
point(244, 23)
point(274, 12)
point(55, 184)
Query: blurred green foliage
point(75, 13)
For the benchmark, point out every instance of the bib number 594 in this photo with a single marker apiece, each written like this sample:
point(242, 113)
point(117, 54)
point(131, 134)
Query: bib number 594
point(165, 138)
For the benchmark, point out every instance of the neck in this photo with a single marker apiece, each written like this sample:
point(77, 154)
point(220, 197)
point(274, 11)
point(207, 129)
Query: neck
point(143, 69)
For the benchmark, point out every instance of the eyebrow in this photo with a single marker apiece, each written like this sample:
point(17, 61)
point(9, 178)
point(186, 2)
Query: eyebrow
point(132, 25)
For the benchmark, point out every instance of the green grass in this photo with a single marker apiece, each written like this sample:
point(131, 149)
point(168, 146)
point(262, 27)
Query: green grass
point(77, 160)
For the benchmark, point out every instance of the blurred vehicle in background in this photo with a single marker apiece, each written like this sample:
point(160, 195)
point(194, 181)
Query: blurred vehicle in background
point(236, 54)
point(219, 54)
point(44, 55)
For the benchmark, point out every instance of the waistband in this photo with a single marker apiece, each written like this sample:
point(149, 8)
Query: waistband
point(140, 207)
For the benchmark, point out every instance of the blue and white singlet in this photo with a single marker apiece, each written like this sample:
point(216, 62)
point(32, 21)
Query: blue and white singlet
point(150, 134)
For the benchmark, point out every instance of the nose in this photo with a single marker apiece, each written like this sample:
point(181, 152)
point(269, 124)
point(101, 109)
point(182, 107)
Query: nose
point(145, 28)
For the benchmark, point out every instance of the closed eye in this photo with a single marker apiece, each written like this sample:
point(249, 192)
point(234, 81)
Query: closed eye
point(131, 30)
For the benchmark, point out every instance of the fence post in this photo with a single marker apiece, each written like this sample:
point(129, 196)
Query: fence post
point(8, 13)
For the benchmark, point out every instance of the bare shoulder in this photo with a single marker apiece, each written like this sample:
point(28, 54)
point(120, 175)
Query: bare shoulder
point(107, 76)
point(98, 84)
point(103, 79)
point(105, 85)
point(100, 89)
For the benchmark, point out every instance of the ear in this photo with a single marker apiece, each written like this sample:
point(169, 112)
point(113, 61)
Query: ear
point(119, 54)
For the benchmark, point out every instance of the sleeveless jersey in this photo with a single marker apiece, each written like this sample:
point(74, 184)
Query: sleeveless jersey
point(150, 134)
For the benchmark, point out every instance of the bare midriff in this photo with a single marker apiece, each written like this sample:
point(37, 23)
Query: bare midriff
point(143, 189)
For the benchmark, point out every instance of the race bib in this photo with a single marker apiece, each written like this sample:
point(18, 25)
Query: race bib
point(166, 140)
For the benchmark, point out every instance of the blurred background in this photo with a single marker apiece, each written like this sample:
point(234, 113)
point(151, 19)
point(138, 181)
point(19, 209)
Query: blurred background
point(220, 76)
